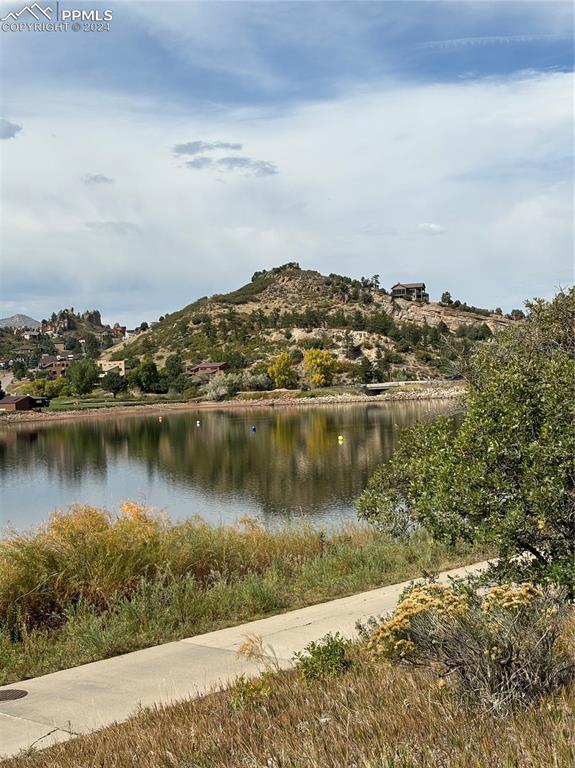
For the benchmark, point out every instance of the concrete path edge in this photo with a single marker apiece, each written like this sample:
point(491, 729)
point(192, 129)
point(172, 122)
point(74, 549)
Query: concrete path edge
point(64, 704)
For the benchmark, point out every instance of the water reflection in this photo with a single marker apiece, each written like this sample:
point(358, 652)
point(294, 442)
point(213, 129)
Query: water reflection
point(291, 464)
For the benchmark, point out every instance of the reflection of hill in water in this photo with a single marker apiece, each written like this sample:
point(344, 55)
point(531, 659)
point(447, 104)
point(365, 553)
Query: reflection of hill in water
point(292, 462)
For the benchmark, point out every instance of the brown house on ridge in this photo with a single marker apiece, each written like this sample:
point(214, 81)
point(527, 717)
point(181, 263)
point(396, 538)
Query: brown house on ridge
point(415, 291)
point(22, 403)
point(55, 366)
point(207, 369)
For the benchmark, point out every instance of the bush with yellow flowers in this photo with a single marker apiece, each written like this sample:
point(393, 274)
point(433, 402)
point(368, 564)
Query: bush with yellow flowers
point(392, 639)
point(501, 648)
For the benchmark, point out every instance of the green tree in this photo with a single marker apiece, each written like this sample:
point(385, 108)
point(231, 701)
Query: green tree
point(446, 298)
point(114, 383)
point(50, 387)
point(82, 375)
point(146, 377)
point(57, 387)
point(506, 477)
point(91, 346)
point(72, 344)
point(282, 373)
point(173, 368)
point(319, 366)
point(19, 369)
point(147, 345)
point(366, 370)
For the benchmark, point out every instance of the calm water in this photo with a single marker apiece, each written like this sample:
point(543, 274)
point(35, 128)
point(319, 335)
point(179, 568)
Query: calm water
point(292, 465)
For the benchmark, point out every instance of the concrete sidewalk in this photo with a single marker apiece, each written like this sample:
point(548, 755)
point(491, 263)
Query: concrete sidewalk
point(64, 704)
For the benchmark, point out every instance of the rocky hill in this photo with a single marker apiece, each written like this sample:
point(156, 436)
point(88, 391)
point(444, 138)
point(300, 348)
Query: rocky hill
point(288, 309)
point(19, 321)
point(65, 331)
point(67, 322)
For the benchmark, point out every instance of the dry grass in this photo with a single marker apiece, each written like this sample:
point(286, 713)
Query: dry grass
point(371, 717)
point(99, 558)
point(90, 585)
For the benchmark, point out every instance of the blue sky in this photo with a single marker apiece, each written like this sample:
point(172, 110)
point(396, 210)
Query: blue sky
point(194, 143)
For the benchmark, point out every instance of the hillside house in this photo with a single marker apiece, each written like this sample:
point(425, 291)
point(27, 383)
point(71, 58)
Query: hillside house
point(412, 291)
point(56, 365)
point(207, 369)
point(119, 366)
point(118, 331)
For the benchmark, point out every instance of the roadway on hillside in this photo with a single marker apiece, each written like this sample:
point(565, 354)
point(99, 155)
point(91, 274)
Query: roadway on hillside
point(58, 706)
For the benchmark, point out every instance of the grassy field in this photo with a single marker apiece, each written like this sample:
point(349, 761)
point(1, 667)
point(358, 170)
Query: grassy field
point(101, 400)
point(371, 717)
point(90, 585)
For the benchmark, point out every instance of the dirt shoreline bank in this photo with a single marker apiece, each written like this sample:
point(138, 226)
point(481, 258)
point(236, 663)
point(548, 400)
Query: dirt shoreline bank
point(450, 392)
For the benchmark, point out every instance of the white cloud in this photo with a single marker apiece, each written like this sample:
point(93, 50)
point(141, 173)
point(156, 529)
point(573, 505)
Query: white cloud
point(473, 42)
point(373, 162)
point(431, 229)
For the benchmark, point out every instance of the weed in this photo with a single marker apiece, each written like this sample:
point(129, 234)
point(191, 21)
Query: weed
point(249, 691)
point(321, 659)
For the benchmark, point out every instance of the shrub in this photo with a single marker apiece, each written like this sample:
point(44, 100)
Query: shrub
point(312, 342)
point(250, 691)
point(324, 658)
point(217, 388)
point(228, 385)
point(504, 648)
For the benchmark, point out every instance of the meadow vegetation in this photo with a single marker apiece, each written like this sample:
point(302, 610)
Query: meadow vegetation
point(90, 584)
point(361, 713)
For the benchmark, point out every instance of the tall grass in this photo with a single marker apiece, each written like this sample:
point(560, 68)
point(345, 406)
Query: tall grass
point(90, 584)
point(92, 556)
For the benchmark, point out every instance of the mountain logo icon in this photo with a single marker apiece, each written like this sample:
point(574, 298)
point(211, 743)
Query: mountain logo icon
point(34, 10)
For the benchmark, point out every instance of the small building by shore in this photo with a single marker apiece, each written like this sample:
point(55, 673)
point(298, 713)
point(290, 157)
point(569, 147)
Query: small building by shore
point(22, 403)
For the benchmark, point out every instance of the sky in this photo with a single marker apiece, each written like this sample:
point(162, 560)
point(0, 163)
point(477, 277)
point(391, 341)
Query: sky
point(194, 143)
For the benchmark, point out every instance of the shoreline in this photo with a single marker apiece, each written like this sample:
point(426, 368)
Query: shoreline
point(443, 392)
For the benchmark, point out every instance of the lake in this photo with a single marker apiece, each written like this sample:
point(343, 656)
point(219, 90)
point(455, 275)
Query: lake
point(275, 464)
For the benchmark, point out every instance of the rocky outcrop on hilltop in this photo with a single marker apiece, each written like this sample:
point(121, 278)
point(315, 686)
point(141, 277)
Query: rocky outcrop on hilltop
point(289, 309)
point(433, 314)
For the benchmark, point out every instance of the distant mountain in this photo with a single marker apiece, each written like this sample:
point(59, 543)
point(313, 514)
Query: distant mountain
point(288, 309)
point(19, 321)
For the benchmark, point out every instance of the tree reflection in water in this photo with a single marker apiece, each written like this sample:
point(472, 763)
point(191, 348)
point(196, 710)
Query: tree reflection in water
point(293, 463)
